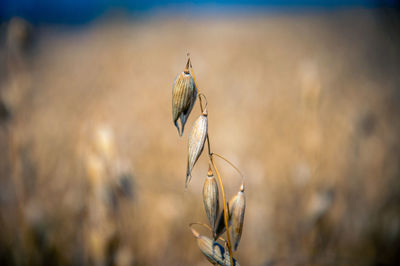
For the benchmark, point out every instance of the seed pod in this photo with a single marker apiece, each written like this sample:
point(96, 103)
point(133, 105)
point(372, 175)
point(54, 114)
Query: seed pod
point(236, 209)
point(211, 198)
point(184, 94)
point(214, 252)
point(197, 138)
point(238, 217)
point(220, 223)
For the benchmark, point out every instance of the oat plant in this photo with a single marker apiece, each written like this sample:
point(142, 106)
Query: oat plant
point(231, 217)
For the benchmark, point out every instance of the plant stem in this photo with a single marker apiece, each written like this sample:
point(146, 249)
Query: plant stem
point(201, 103)
point(216, 171)
point(230, 163)
point(228, 237)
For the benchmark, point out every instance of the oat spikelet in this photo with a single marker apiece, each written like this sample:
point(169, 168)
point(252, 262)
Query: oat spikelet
point(211, 198)
point(220, 223)
point(197, 138)
point(236, 209)
point(238, 217)
point(214, 252)
point(184, 94)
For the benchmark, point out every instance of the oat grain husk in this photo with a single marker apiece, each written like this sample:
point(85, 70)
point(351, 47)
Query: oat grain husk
point(236, 210)
point(211, 199)
point(197, 138)
point(237, 217)
point(220, 223)
point(214, 252)
point(184, 94)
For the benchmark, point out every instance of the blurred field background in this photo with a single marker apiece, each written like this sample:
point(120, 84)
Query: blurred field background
point(305, 101)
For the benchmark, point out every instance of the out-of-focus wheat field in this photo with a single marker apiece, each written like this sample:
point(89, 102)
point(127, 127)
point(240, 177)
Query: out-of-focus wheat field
point(92, 169)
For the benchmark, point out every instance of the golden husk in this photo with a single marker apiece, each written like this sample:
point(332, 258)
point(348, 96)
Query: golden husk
point(211, 199)
point(236, 206)
point(220, 224)
point(238, 218)
point(214, 252)
point(197, 138)
point(184, 94)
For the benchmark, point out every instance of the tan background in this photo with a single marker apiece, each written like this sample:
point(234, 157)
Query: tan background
point(306, 105)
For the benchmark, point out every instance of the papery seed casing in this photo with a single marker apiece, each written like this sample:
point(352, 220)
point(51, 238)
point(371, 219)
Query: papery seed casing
point(214, 252)
point(197, 138)
point(211, 198)
point(220, 223)
point(184, 94)
point(237, 217)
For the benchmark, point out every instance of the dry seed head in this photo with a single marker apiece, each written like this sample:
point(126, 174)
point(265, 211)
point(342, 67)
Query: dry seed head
point(220, 224)
point(205, 112)
point(238, 217)
point(211, 199)
point(184, 94)
point(236, 209)
point(197, 138)
point(214, 252)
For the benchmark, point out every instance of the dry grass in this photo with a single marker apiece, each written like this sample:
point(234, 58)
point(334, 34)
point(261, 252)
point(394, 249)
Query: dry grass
point(306, 106)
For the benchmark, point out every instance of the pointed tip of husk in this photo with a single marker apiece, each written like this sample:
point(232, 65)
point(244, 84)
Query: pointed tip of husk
point(186, 70)
point(194, 232)
point(177, 127)
point(242, 188)
point(188, 177)
point(209, 173)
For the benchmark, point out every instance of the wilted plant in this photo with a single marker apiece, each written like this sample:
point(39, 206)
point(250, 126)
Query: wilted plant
point(230, 220)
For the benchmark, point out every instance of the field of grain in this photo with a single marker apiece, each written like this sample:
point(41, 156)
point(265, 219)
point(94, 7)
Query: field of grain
point(92, 169)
